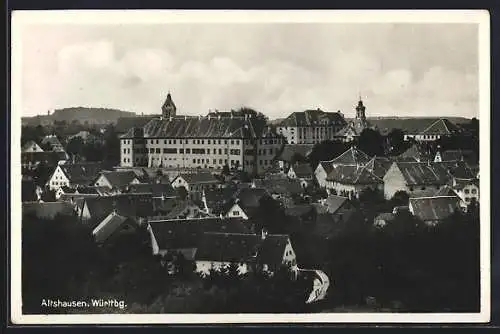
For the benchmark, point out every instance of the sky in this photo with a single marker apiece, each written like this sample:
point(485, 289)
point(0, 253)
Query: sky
point(402, 69)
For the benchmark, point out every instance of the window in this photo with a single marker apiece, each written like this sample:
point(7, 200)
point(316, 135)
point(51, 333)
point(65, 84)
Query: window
point(215, 151)
point(188, 150)
point(237, 142)
point(466, 191)
point(232, 142)
point(215, 161)
point(165, 141)
point(202, 142)
point(157, 141)
point(151, 150)
point(181, 150)
point(225, 141)
point(219, 141)
point(157, 150)
point(225, 151)
point(124, 150)
point(236, 213)
point(473, 191)
point(194, 161)
point(199, 161)
point(220, 151)
point(232, 162)
point(220, 161)
point(174, 141)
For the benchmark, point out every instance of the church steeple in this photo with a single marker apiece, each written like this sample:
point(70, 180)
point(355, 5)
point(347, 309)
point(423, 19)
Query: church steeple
point(360, 110)
point(168, 109)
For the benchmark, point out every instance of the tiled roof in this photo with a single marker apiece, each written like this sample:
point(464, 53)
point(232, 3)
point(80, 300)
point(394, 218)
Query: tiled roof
point(110, 225)
point(200, 127)
point(434, 208)
point(352, 156)
point(299, 210)
point(155, 189)
point(441, 127)
point(313, 118)
point(302, 170)
point(462, 171)
point(82, 173)
point(354, 128)
point(201, 177)
point(119, 179)
point(467, 156)
point(379, 166)
point(333, 203)
point(423, 173)
point(124, 124)
point(282, 186)
point(445, 191)
point(187, 233)
point(233, 247)
point(289, 150)
point(327, 166)
point(345, 174)
point(411, 153)
point(219, 200)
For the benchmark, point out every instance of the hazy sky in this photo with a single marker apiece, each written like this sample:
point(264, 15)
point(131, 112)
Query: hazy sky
point(399, 69)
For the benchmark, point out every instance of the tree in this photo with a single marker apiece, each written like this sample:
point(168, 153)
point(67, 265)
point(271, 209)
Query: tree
point(182, 193)
point(297, 158)
point(75, 146)
point(396, 142)
point(225, 170)
point(371, 142)
point(111, 147)
point(326, 150)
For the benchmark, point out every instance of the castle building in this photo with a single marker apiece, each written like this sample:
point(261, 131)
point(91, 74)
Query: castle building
point(242, 141)
point(311, 126)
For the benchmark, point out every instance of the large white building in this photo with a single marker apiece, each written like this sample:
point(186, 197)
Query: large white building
point(311, 126)
point(240, 140)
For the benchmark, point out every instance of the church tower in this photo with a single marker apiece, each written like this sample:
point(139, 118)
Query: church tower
point(168, 108)
point(360, 111)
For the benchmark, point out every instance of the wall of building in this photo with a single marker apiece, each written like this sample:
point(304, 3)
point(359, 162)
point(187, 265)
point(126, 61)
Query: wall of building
point(320, 175)
point(394, 182)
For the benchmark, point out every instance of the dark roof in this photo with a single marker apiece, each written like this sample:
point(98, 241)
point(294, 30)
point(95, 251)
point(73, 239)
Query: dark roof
point(379, 166)
point(302, 170)
point(155, 189)
point(424, 173)
point(461, 170)
point(434, 208)
point(119, 179)
point(354, 128)
point(346, 174)
point(47, 209)
point(250, 197)
point(412, 153)
point(233, 247)
point(333, 203)
point(201, 177)
point(281, 185)
point(201, 127)
point(352, 156)
point(111, 224)
point(467, 156)
point(299, 210)
point(82, 173)
point(445, 191)
point(289, 150)
point(316, 117)
point(124, 124)
point(49, 157)
point(187, 233)
point(441, 127)
point(219, 200)
point(327, 166)
point(410, 125)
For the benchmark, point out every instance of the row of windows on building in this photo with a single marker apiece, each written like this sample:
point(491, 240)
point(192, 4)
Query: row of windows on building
point(202, 161)
point(182, 151)
point(202, 141)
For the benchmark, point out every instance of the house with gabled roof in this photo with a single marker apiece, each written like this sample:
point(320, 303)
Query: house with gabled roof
point(438, 129)
point(196, 182)
point(184, 235)
point(116, 180)
point(412, 177)
point(351, 157)
point(72, 175)
point(248, 251)
point(245, 202)
point(114, 224)
point(350, 181)
point(302, 172)
point(31, 146)
point(432, 210)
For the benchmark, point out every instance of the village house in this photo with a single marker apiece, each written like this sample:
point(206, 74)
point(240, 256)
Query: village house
point(311, 126)
point(240, 142)
point(185, 235)
point(218, 201)
point(351, 157)
point(248, 251)
point(72, 175)
point(432, 210)
point(350, 181)
point(290, 153)
point(279, 187)
point(415, 177)
point(245, 203)
point(116, 180)
point(196, 182)
point(302, 172)
point(436, 130)
point(114, 224)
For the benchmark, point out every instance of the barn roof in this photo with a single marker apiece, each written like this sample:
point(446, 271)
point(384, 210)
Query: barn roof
point(316, 117)
point(424, 173)
point(434, 208)
point(346, 174)
point(352, 156)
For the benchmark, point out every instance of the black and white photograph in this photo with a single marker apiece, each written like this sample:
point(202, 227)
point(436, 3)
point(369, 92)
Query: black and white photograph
point(250, 167)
